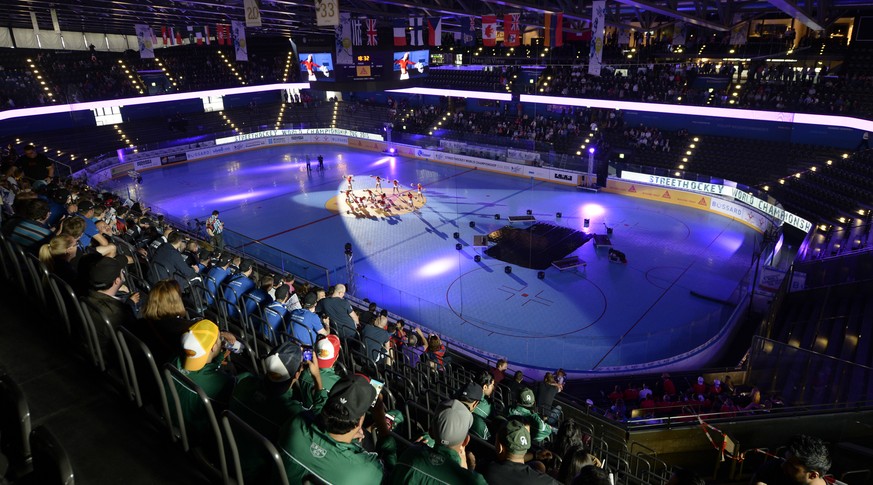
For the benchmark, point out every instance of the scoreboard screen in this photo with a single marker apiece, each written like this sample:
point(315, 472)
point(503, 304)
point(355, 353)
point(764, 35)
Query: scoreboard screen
point(366, 67)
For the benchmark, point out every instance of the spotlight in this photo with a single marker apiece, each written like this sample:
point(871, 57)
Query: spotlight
point(529, 212)
point(497, 216)
point(558, 215)
point(477, 258)
point(586, 222)
point(456, 235)
point(458, 246)
point(392, 151)
point(541, 275)
point(472, 223)
point(348, 249)
point(507, 269)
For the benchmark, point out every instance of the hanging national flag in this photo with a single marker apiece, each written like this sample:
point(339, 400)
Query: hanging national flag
point(240, 48)
point(198, 34)
point(165, 34)
point(434, 31)
point(145, 38)
point(399, 32)
point(357, 36)
point(554, 30)
point(416, 36)
point(468, 31)
point(512, 29)
point(222, 34)
point(372, 34)
point(489, 30)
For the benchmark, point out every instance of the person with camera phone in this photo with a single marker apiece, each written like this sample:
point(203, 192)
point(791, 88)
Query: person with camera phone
point(266, 403)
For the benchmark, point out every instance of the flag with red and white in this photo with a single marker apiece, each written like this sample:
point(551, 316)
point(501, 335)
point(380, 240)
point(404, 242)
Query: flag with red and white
point(222, 34)
point(512, 29)
point(372, 34)
point(434, 31)
point(399, 32)
point(489, 30)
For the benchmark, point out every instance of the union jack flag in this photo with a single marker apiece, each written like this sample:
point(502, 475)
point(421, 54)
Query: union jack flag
point(372, 35)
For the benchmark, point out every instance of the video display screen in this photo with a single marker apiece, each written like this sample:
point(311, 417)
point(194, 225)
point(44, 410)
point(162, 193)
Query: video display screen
point(411, 64)
point(317, 67)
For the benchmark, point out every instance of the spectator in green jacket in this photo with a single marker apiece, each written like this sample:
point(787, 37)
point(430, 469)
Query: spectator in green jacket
point(326, 447)
point(326, 352)
point(447, 461)
point(482, 412)
point(202, 345)
point(526, 407)
point(267, 403)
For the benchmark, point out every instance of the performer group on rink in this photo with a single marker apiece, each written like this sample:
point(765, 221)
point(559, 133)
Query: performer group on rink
point(375, 197)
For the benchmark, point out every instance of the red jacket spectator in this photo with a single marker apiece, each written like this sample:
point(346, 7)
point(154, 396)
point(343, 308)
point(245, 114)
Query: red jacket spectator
point(498, 371)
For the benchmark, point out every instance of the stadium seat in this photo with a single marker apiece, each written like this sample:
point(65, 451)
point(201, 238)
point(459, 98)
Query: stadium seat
point(146, 381)
point(14, 427)
point(51, 464)
point(239, 433)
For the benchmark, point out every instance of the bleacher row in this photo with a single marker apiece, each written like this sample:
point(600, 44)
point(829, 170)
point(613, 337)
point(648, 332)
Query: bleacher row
point(412, 386)
point(75, 76)
point(831, 321)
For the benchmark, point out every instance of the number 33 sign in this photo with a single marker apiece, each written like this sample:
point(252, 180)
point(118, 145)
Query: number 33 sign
point(326, 13)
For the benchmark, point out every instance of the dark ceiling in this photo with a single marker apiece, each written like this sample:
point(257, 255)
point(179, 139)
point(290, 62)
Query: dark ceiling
point(297, 18)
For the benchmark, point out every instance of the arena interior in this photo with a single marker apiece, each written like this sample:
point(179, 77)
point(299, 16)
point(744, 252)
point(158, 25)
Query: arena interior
point(617, 241)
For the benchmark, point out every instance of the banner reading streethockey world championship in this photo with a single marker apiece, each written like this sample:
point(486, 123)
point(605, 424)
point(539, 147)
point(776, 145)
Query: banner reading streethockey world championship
point(595, 56)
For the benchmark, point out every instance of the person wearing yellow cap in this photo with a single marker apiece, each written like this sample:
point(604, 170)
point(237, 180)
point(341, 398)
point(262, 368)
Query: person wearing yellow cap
point(201, 362)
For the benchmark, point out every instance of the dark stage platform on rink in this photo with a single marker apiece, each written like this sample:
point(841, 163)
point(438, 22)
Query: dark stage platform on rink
point(536, 246)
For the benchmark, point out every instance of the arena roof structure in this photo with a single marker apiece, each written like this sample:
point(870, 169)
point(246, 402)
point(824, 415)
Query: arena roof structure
point(294, 18)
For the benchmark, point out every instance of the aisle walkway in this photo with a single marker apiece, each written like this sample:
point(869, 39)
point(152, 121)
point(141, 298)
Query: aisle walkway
point(108, 442)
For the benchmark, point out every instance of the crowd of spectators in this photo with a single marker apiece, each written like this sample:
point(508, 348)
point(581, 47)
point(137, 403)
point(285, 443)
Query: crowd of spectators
point(777, 87)
point(84, 76)
point(666, 400)
point(138, 273)
point(18, 88)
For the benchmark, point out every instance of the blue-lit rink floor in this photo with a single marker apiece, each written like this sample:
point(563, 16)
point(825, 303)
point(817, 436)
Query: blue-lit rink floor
point(601, 316)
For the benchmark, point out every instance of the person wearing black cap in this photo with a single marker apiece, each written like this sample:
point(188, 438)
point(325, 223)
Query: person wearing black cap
point(168, 262)
point(447, 462)
point(513, 441)
point(327, 447)
point(267, 403)
point(105, 277)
